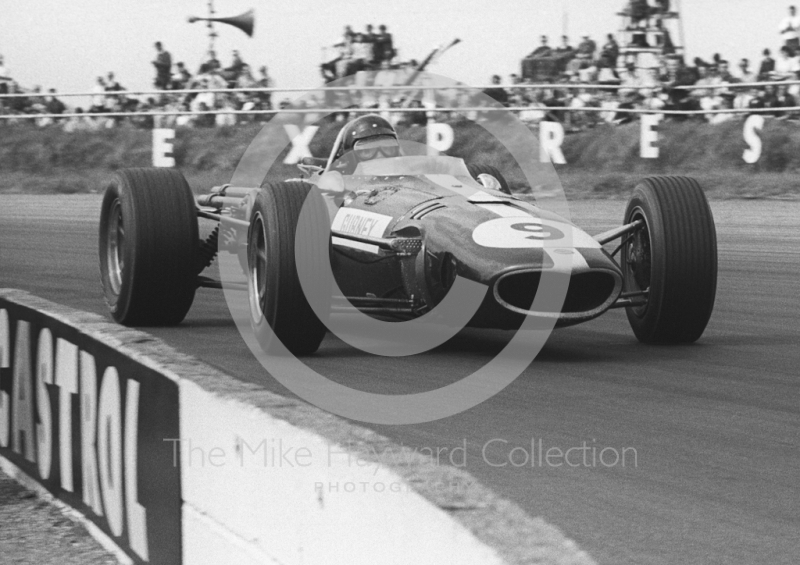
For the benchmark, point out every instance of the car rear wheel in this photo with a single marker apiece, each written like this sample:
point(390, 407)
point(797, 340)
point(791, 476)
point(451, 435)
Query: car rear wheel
point(148, 247)
point(278, 306)
point(489, 177)
point(671, 260)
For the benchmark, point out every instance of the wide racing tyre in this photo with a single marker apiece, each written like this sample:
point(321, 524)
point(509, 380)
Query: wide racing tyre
point(673, 257)
point(148, 247)
point(477, 170)
point(278, 306)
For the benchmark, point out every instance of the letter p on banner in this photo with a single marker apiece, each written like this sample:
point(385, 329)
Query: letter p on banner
point(162, 147)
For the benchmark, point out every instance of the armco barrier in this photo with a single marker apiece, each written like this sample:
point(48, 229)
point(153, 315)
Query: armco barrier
point(171, 461)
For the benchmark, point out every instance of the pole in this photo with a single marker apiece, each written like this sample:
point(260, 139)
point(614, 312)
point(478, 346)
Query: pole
point(212, 34)
point(680, 27)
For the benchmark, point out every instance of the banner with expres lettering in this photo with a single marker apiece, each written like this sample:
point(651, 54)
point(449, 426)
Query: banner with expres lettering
point(89, 423)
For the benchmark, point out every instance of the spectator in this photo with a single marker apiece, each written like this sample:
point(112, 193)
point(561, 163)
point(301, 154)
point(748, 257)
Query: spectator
point(5, 79)
point(113, 86)
point(18, 104)
point(226, 119)
point(496, 92)
point(163, 65)
point(783, 99)
point(181, 78)
point(587, 48)
point(98, 98)
point(231, 73)
point(349, 35)
point(543, 50)
point(52, 104)
point(638, 11)
point(787, 66)
point(384, 46)
point(767, 66)
point(211, 64)
point(362, 54)
point(264, 81)
point(677, 75)
point(204, 120)
point(790, 27)
point(79, 122)
point(370, 37)
point(610, 52)
point(245, 80)
point(662, 6)
point(746, 76)
point(588, 72)
point(565, 49)
point(415, 119)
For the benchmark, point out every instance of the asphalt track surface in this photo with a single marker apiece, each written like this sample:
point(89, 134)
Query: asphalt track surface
point(715, 426)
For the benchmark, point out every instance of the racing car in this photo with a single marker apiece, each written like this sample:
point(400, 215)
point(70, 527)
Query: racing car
point(399, 230)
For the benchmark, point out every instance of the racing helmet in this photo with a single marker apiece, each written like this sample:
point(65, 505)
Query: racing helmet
point(368, 137)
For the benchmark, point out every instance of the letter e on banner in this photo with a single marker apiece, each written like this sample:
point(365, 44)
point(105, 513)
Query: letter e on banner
point(752, 126)
point(162, 147)
point(551, 136)
point(440, 138)
point(649, 137)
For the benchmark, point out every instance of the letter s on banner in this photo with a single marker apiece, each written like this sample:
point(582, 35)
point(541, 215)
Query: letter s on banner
point(649, 137)
point(440, 138)
point(551, 136)
point(162, 147)
point(752, 126)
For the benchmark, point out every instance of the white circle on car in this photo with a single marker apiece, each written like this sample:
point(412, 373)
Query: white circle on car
point(530, 232)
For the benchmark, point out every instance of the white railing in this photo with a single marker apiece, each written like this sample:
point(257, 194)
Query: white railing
point(354, 87)
point(351, 88)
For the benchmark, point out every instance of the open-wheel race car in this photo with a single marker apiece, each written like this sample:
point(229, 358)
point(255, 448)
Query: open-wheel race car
point(402, 229)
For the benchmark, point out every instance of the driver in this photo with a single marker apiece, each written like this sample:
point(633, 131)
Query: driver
point(365, 138)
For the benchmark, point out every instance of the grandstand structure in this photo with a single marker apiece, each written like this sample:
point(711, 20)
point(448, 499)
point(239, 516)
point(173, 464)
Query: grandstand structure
point(649, 33)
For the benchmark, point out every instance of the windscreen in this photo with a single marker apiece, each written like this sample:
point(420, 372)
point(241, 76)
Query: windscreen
point(414, 165)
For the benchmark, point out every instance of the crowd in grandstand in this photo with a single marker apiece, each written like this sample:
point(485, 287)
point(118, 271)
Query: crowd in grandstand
point(670, 84)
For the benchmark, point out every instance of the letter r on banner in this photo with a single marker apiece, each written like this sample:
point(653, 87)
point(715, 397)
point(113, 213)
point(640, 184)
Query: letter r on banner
point(440, 138)
point(551, 136)
point(162, 147)
point(752, 126)
point(649, 137)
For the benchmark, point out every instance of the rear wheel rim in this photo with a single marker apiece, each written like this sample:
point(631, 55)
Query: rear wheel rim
point(638, 260)
point(257, 247)
point(115, 260)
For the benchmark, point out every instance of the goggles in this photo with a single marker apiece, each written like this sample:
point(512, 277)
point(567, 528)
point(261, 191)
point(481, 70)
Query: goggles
point(385, 146)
